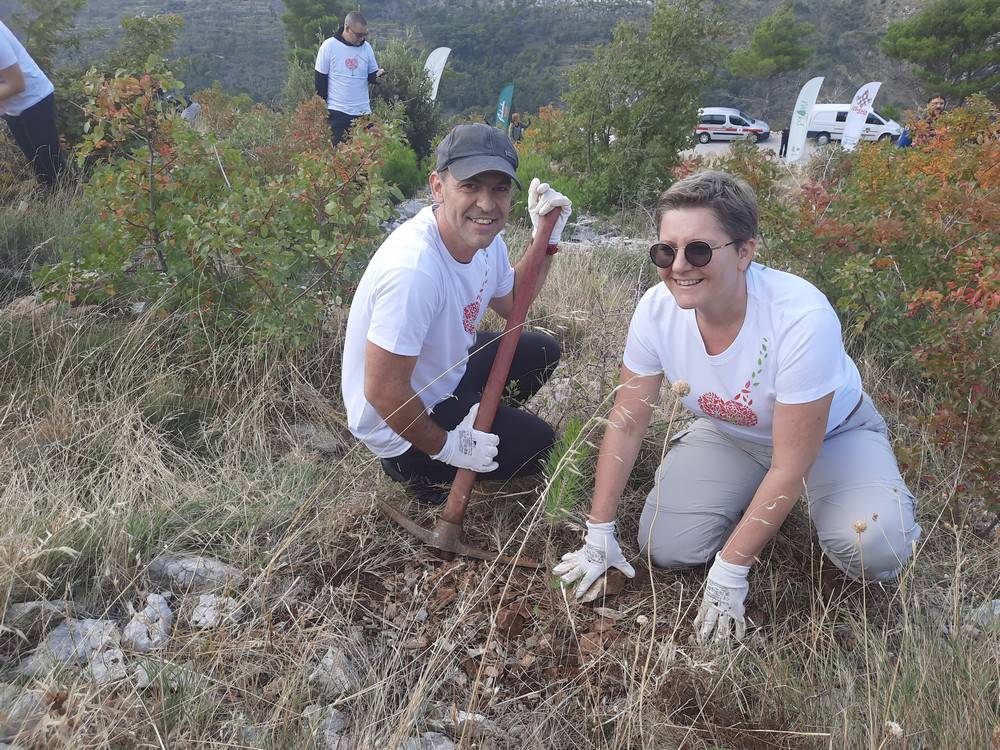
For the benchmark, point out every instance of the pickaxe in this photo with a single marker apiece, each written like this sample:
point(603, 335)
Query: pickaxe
point(446, 536)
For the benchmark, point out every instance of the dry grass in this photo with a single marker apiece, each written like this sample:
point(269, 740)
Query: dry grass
point(116, 443)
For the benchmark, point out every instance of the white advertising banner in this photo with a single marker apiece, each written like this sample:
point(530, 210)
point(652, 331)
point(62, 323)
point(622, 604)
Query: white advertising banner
point(857, 115)
point(434, 67)
point(800, 118)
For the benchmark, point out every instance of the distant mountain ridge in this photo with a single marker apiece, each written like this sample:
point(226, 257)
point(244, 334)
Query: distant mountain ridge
point(241, 43)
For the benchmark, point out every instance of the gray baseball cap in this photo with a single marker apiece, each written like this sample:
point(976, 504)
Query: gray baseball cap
point(469, 150)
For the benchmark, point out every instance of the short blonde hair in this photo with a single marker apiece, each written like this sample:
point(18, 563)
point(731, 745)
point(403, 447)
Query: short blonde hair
point(731, 199)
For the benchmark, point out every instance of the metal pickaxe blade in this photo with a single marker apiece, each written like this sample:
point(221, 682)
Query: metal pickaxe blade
point(446, 539)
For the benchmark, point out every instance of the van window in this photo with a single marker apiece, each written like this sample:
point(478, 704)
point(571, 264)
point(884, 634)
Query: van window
point(841, 117)
point(746, 117)
point(713, 119)
point(738, 121)
point(874, 119)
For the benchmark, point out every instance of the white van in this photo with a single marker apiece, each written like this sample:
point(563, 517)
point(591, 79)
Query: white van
point(827, 124)
point(726, 123)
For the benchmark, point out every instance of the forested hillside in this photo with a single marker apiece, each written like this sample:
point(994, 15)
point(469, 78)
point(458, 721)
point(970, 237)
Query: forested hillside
point(242, 45)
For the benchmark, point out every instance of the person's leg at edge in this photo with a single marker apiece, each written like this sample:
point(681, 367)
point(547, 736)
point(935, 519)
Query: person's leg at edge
point(35, 133)
point(861, 508)
point(535, 358)
point(702, 487)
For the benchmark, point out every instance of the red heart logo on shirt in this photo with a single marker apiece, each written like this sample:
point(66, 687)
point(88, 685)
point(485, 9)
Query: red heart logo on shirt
point(469, 316)
point(351, 63)
point(733, 412)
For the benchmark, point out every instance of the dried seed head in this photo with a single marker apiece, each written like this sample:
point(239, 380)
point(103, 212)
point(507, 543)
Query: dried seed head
point(641, 620)
point(893, 729)
point(681, 388)
point(860, 525)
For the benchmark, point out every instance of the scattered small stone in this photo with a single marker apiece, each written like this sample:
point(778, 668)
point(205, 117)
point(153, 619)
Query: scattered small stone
point(211, 611)
point(108, 666)
point(315, 438)
point(984, 617)
point(19, 711)
point(150, 628)
point(416, 643)
point(335, 674)
point(35, 617)
point(332, 727)
point(421, 615)
point(194, 574)
point(428, 741)
point(72, 642)
point(608, 613)
point(447, 718)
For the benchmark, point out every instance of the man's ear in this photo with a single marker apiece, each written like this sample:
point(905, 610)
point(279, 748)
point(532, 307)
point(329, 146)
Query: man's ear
point(436, 183)
point(746, 251)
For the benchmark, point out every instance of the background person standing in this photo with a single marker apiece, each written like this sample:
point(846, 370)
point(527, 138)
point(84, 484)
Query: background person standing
point(28, 104)
point(345, 65)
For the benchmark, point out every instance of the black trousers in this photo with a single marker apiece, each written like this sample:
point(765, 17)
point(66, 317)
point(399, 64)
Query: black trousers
point(34, 132)
point(525, 440)
point(340, 123)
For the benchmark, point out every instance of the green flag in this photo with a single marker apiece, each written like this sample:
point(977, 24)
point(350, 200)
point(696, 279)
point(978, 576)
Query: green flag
point(504, 103)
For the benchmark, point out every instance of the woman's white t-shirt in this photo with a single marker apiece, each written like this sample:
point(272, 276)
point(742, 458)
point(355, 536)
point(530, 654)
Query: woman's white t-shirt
point(416, 300)
point(789, 350)
point(37, 86)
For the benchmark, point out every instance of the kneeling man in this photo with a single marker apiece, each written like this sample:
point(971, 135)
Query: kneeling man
point(415, 363)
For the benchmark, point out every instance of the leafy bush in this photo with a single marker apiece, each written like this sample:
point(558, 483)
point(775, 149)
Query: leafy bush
point(406, 84)
point(402, 170)
point(187, 222)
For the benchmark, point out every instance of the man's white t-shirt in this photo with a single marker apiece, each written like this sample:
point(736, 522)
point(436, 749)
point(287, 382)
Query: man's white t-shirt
point(789, 350)
point(416, 300)
point(37, 86)
point(348, 69)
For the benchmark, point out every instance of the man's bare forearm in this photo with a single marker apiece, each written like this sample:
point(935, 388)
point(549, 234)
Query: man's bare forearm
point(406, 416)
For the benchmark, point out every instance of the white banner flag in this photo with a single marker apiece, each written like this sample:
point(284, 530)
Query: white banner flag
point(800, 118)
point(434, 67)
point(858, 114)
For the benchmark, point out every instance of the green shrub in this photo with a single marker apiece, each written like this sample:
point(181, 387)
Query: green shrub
point(248, 250)
point(401, 169)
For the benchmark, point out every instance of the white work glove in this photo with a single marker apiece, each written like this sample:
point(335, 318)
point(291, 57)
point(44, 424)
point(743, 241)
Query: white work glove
point(722, 606)
point(541, 200)
point(599, 552)
point(468, 448)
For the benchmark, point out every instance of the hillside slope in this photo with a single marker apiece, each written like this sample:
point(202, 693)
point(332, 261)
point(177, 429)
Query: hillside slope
point(241, 44)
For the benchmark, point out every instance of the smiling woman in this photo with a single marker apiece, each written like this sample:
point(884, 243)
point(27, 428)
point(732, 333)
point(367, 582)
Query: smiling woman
point(780, 408)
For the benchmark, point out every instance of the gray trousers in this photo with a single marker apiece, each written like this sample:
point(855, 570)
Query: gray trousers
point(708, 479)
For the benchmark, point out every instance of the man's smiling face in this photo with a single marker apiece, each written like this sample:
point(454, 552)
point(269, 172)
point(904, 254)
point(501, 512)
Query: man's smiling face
point(470, 212)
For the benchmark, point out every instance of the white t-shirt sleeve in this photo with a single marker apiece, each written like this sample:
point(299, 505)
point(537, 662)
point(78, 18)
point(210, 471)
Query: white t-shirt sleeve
point(403, 307)
point(640, 355)
point(372, 65)
point(323, 58)
point(810, 358)
point(7, 54)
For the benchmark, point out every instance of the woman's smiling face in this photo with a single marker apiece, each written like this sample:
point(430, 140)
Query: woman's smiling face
point(714, 287)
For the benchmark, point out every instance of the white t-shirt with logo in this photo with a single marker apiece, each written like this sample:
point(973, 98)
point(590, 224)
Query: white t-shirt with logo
point(37, 86)
point(348, 69)
point(416, 300)
point(789, 350)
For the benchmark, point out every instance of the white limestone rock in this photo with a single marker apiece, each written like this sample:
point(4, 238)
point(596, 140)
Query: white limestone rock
point(211, 611)
point(72, 642)
point(150, 628)
point(194, 574)
point(335, 674)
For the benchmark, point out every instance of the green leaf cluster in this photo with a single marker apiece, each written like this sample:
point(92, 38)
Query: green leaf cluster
point(954, 46)
point(778, 44)
point(308, 22)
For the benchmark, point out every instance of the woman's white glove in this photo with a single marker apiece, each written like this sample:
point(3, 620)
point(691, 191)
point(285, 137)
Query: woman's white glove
point(541, 200)
point(722, 606)
point(599, 552)
point(469, 448)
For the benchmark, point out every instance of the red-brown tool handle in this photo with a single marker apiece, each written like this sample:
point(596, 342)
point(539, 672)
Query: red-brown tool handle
point(461, 487)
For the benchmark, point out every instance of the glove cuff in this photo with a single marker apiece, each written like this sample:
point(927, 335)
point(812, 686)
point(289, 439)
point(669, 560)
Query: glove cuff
point(599, 533)
point(727, 573)
point(446, 451)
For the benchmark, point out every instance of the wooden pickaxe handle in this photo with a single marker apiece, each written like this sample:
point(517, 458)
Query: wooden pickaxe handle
point(461, 487)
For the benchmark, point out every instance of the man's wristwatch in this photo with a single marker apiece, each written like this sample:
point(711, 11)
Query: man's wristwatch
point(552, 249)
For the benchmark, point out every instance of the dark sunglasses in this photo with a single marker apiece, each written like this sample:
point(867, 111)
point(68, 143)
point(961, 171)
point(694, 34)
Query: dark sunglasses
point(698, 253)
